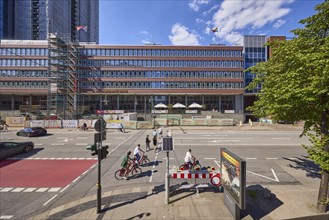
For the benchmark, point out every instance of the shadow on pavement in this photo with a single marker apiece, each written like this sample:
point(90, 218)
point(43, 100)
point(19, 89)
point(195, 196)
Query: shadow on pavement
point(260, 202)
point(312, 169)
point(121, 199)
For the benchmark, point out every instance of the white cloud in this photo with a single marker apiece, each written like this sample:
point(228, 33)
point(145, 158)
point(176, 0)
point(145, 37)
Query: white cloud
point(195, 4)
point(146, 42)
point(233, 17)
point(182, 36)
point(199, 20)
point(144, 32)
point(279, 23)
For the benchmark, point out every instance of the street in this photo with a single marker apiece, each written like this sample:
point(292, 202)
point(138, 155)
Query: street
point(60, 169)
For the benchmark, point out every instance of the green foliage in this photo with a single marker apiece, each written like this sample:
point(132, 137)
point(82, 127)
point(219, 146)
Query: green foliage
point(295, 82)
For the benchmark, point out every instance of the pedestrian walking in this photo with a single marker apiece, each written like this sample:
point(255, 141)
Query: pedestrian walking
point(148, 141)
point(160, 132)
point(155, 141)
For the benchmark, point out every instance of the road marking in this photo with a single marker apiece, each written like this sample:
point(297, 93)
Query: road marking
point(217, 162)
point(155, 159)
point(42, 189)
point(271, 158)
point(292, 158)
point(82, 138)
point(56, 144)
point(50, 199)
point(53, 189)
point(38, 144)
point(6, 189)
point(65, 188)
point(280, 138)
point(29, 189)
point(83, 144)
point(276, 178)
point(18, 190)
point(6, 216)
point(209, 158)
point(251, 158)
point(165, 158)
point(76, 179)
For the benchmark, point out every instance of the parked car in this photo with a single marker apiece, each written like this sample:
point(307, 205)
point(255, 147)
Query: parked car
point(32, 132)
point(8, 149)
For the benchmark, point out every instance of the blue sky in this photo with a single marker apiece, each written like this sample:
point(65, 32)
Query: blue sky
point(189, 22)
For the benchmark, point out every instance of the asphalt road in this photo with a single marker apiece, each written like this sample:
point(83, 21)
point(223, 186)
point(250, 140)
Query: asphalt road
point(267, 154)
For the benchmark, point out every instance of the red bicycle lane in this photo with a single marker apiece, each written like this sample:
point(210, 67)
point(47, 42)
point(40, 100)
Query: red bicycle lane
point(41, 173)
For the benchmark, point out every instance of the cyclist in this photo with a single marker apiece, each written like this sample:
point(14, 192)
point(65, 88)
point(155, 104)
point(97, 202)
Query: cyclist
point(84, 127)
point(126, 163)
point(188, 158)
point(137, 152)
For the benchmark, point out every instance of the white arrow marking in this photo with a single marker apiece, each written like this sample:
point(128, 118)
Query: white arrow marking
point(275, 176)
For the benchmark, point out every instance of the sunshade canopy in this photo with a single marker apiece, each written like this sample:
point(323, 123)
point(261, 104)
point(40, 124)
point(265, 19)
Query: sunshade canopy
point(160, 105)
point(179, 105)
point(195, 105)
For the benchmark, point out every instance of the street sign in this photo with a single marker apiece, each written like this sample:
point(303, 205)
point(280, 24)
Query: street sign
point(99, 137)
point(100, 125)
point(167, 144)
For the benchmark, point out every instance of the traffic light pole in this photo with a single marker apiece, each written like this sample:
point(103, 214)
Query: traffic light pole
point(99, 186)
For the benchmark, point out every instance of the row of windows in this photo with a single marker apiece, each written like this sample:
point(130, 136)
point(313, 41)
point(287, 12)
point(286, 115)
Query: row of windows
point(128, 52)
point(162, 53)
point(25, 84)
point(163, 85)
point(129, 63)
point(24, 51)
point(23, 73)
point(161, 74)
point(23, 62)
point(162, 63)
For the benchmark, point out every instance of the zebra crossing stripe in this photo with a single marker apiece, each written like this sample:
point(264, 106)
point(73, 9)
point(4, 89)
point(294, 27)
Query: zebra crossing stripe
point(21, 189)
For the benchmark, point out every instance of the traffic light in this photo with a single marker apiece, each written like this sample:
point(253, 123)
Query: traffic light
point(104, 152)
point(93, 150)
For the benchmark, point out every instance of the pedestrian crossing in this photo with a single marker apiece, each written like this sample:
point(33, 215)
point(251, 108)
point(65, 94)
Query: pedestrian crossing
point(29, 190)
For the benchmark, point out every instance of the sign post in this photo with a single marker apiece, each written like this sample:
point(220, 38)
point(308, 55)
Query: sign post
point(100, 126)
point(167, 145)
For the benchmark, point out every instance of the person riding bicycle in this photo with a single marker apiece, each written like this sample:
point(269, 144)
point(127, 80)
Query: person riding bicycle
point(84, 127)
point(188, 158)
point(126, 163)
point(137, 152)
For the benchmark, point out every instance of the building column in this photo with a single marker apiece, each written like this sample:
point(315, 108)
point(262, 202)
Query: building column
point(145, 107)
point(12, 102)
point(220, 103)
point(186, 100)
point(202, 100)
point(238, 104)
point(135, 102)
point(118, 102)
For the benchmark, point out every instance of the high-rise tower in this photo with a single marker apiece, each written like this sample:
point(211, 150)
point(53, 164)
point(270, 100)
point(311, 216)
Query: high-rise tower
point(34, 19)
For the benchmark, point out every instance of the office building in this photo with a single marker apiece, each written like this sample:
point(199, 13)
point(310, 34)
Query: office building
point(34, 19)
point(130, 78)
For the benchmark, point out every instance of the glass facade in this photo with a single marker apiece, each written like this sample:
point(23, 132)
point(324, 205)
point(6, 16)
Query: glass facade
point(33, 19)
point(132, 78)
point(254, 52)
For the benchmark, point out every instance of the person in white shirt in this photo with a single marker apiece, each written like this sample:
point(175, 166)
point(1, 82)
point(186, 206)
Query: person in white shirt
point(160, 132)
point(188, 158)
point(137, 152)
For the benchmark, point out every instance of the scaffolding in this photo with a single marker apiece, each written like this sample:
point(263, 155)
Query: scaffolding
point(63, 71)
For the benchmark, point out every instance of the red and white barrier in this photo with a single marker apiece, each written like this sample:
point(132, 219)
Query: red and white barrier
point(192, 175)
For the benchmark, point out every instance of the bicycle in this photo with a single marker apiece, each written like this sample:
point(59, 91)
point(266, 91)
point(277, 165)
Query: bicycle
point(144, 160)
point(81, 128)
point(134, 171)
point(195, 165)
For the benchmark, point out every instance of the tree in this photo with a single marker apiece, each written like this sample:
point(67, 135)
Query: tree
point(295, 87)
